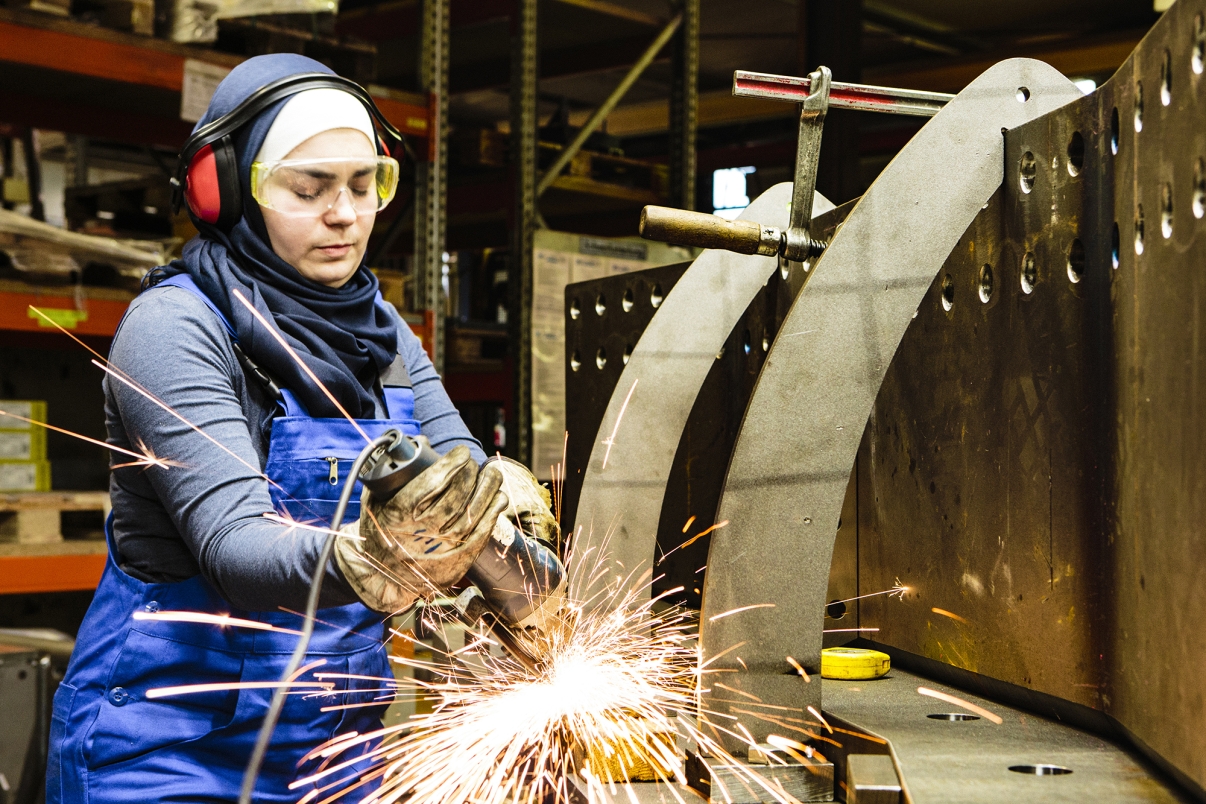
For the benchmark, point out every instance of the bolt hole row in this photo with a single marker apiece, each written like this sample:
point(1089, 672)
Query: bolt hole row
point(627, 302)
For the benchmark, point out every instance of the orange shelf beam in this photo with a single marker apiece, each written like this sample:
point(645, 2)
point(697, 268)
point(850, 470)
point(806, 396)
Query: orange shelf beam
point(98, 316)
point(63, 573)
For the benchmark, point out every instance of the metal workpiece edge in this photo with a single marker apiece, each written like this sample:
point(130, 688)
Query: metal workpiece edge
point(789, 471)
point(625, 480)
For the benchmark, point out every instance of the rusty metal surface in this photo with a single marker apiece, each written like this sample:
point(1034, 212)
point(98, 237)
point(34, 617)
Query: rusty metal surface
point(1042, 480)
point(789, 471)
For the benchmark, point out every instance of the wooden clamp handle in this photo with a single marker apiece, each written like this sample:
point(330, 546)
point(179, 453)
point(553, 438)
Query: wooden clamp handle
point(685, 228)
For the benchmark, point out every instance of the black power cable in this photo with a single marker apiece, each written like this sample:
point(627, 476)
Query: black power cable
point(303, 643)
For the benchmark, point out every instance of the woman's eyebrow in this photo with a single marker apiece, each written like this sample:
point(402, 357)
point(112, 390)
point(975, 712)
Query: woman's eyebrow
point(315, 173)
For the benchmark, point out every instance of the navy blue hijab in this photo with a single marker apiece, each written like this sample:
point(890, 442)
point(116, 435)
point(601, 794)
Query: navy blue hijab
point(342, 334)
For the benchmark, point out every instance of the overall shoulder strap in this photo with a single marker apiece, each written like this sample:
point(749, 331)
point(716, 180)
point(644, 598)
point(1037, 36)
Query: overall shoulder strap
point(185, 282)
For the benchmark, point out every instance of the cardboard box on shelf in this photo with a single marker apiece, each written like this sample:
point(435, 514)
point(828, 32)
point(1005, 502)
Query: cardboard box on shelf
point(23, 445)
point(29, 409)
point(24, 476)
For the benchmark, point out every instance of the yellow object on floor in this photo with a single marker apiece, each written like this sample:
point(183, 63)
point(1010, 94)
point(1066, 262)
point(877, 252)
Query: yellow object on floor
point(854, 664)
point(633, 759)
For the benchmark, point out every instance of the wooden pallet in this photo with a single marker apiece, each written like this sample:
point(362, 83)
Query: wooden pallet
point(34, 517)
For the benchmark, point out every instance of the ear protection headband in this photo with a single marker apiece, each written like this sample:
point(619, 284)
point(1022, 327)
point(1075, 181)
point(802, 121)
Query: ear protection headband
point(207, 175)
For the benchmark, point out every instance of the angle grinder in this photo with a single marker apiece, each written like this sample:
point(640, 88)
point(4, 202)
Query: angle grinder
point(518, 583)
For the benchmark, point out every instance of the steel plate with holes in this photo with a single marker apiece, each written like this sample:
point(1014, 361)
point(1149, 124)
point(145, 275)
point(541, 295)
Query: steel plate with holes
point(789, 471)
point(970, 761)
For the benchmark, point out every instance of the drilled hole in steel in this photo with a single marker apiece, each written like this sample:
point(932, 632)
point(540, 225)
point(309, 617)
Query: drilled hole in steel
point(836, 610)
point(1138, 106)
point(627, 353)
point(1076, 261)
point(1199, 45)
point(575, 309)
point(1166, 211)
point(1114, 126)
point(986, 284)
point(1166, 79)
point(575, 360)
point(656, 296)
point(601, 358)
point(1023, 94)
point(1027, 171)
point(1139, 229)
point(627, 301)
point(745, 341)
point(954, 717)
point(1199, 189)
point(766, 340)
point(1115, 246)
point(600, 304)
point(784, 268)
point(1029, 273)
point(948, 293)
point(1040, 770)
point(1076, 153)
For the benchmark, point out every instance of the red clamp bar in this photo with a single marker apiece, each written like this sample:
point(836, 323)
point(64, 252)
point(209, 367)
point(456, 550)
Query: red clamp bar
point(847, 96)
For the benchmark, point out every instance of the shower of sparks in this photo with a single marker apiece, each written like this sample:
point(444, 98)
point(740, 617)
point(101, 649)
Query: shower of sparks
point(950, 614)
point(968, 705)
point(617, 687)
point(611, 439)
point(297, 359)
point(201, 618)
point(141, 459)
point(898, 590)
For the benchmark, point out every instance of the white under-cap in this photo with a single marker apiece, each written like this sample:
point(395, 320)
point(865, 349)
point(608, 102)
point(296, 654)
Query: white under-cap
point(313, 112)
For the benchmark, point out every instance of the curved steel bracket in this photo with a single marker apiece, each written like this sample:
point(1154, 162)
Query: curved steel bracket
point(791, 464)
point(625, 480)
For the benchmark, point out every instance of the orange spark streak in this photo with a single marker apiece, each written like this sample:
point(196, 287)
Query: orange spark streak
point(820, 717)
point(694, 538)
point(731, 612)
point(188, 689)
point(950, 614)
point(149, 460)
point(971, 707)
point(238, 294)
point(611, 439)
point(739, 692)
point(687, 526)
point(845, 630)
point(221, 620)
point(799, 669)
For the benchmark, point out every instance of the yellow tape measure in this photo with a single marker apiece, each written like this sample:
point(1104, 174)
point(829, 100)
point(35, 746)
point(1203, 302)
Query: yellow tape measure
point(854, 663)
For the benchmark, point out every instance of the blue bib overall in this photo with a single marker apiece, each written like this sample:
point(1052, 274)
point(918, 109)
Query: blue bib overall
point(110, 743)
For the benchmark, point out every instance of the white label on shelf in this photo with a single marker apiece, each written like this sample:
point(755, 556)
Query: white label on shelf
point(16, 445)
point(19, 476)
point(200, 80)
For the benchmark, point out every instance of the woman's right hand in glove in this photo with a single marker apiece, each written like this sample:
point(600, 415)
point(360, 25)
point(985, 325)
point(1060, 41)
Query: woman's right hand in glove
point(422, 541)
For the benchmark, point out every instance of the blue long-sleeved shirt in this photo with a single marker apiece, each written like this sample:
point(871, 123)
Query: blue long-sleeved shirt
point(204, 514)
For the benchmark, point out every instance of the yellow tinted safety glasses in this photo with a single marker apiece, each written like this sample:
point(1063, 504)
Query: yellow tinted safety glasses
point(311, 187)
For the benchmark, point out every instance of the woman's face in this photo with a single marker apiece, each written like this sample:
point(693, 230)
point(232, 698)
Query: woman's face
point(326, 248)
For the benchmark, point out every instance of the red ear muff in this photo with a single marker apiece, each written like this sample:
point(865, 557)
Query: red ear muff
point(201, 191)
point(211, 185)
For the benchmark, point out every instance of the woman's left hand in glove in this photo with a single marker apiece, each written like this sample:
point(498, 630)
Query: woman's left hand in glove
point(530, 502)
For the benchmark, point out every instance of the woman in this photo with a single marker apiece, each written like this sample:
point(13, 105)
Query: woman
point(284, 177)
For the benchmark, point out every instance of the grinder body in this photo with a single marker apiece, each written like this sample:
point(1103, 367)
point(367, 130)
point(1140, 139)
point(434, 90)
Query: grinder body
point(521, 581)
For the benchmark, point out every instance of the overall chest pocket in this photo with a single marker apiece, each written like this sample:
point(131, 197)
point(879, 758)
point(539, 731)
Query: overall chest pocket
point(131, 725)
